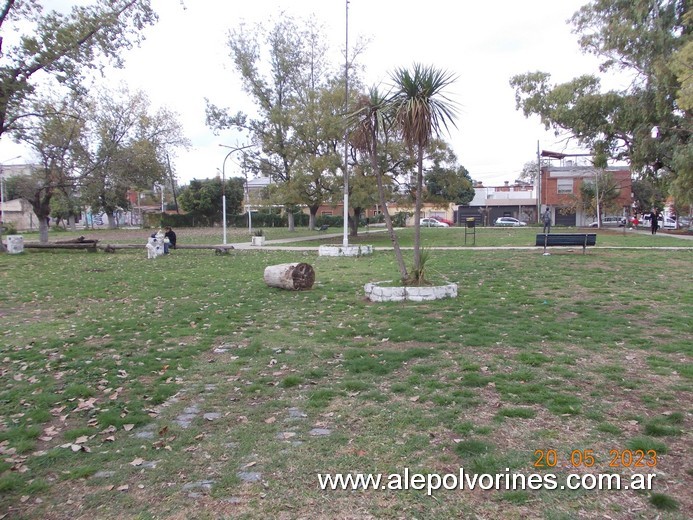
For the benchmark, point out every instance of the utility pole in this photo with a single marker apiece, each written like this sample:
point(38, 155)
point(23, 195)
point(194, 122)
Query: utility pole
point(538, 183)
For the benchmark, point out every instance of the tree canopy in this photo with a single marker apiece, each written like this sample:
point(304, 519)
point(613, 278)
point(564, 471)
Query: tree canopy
point(649, 41)
point(203, 198)
point(61, 45)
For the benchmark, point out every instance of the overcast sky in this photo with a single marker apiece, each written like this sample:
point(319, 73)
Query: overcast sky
point(185, 59)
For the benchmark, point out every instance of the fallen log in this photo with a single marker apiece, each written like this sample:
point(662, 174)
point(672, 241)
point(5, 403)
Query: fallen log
point(294, 277)
point(78, 240)
point(87, 246)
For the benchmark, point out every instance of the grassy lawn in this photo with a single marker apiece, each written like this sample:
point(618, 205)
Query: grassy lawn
point(503, 237)
point(186, 388)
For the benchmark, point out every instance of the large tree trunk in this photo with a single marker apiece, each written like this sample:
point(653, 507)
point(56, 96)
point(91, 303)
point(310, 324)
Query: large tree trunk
point(41, 204)
point(312, 217)
point(295, 277)
point(43, 230)
point(290, 218)
point(354, 222)
point(112, 222)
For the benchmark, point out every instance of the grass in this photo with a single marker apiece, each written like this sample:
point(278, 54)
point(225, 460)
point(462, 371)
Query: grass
point(105, 355)
point(502, 237)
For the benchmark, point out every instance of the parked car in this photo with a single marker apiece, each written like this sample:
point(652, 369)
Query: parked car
point(432, 222)
point(444, 221)
point(509, 221)
point(611, 222)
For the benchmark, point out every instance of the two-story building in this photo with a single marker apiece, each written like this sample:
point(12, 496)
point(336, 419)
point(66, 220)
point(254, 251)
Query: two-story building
point(560, 183)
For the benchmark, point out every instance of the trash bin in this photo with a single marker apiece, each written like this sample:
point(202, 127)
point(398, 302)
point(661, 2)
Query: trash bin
point(15, 244)
point(470, 229)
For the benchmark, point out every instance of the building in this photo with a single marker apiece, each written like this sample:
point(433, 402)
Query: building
point(561, 179)
point(516, 200)
point(19, 214)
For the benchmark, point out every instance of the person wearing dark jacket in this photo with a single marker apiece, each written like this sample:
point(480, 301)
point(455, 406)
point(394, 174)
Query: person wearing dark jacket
point(654, 224)
point(170, 235)
point(546, 219)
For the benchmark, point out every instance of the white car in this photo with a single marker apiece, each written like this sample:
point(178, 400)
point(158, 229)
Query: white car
point(664, 223)
point(431, 222)
point(610, 222)
point(509, 221)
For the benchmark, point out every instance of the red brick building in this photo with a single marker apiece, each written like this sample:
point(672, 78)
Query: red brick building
point(560, 185)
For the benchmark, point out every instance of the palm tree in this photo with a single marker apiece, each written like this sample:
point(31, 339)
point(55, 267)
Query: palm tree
point(421, 112)
point(372, 124)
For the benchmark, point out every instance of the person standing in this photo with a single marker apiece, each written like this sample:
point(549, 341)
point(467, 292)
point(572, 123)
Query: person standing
point(546, 219)
point(654, 224)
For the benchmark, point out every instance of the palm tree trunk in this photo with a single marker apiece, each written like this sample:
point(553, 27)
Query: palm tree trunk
point(386, 215)
point(417, 210)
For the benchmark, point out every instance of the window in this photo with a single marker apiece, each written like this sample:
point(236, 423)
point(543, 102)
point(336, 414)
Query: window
point(565, 186)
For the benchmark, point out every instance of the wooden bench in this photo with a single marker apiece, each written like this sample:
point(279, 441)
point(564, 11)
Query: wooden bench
point(566, 240)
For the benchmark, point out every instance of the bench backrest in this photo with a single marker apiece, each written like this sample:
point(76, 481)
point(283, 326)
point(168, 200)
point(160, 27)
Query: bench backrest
point(567, 239)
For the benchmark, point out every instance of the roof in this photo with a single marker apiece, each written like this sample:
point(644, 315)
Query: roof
point(259, 182)
point(509, 202)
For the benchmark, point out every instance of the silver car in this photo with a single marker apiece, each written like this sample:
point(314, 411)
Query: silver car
point(509, 221)
point(431, 222)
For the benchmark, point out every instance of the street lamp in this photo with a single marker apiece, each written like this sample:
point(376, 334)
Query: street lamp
point(223, 182)
point(345, 239)
point(2, 189)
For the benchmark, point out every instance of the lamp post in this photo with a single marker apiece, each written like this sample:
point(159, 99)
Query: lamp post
point(345, 239)
point(223, 182)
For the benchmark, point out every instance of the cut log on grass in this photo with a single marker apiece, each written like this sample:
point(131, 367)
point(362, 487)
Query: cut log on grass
point(294, 277)
point(78, 240)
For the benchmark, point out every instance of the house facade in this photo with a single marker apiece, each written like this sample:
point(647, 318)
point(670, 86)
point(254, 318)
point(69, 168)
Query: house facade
point(516, 200)
point(560, 186)
point(19, 214)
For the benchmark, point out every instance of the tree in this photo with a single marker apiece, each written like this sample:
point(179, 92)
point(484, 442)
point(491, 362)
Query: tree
point(647, 195)
point(640, 38)
point(66, 207)
point(202, 198)
point(599, 194)
point(421, 112)
point(130, 148)
point(285, 72)
point(447, 181)
point(373, 127)
point(275, 93)
point(57, 139)
point(319, 127)
point(62, 46)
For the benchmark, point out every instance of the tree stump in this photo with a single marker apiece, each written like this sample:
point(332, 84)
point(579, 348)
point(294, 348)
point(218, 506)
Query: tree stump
point(294, 277)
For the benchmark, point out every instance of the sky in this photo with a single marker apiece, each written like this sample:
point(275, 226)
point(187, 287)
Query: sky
point(185, 59)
